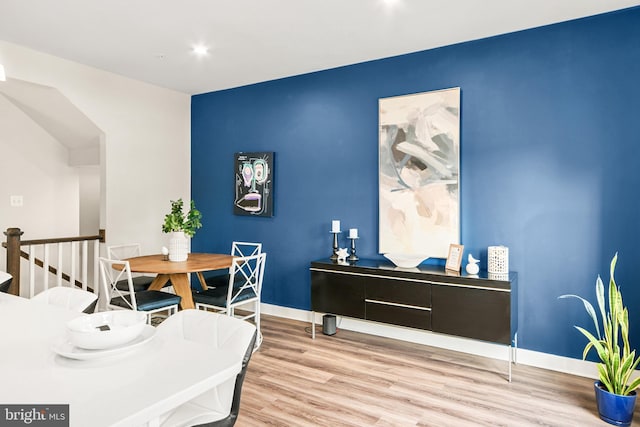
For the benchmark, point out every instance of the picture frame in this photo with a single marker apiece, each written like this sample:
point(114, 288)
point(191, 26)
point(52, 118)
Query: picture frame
point(253, 183)
point(454, 259)
point(419, 173)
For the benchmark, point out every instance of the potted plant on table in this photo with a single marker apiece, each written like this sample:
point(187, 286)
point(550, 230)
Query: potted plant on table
point(615, 391)
point(181, 225)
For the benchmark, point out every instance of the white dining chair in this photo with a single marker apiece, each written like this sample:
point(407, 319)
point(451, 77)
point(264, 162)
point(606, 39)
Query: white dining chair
point(246, 248)
point(71, 298)
point(238, 248)
point(244, 287)
point(117, 299)
point(129, 250)
point(219, 406)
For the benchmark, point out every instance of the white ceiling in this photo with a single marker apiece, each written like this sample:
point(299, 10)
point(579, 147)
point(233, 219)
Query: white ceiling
point(257, 40)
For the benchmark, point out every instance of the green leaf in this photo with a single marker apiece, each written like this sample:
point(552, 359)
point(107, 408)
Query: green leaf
point(631, 387)
point(593, 341)
point(600, 298)
point(589, 308)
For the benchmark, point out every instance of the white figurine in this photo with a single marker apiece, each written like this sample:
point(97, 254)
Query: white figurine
point(472, 267)
point(342, 253)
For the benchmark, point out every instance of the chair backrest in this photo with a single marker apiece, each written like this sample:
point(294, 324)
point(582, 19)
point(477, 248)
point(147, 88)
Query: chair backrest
point(245, 278)
point(246, 248)
point(5, 281)
point(124, 251)
point(110, 278)
point(224, 333)
point(70, 298)
point(206, 327)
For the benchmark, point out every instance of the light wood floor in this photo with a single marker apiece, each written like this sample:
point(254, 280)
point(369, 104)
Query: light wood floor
point(354, 379)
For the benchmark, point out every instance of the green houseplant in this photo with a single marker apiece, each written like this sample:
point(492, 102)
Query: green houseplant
point(181, 225)
point(178, 221)
point(611, 343)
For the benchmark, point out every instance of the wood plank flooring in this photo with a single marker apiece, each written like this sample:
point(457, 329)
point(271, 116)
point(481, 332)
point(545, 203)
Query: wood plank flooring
point(354, 379)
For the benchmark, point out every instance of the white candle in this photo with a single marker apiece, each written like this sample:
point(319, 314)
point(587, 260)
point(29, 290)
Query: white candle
point(335, 226)
point(353, 233)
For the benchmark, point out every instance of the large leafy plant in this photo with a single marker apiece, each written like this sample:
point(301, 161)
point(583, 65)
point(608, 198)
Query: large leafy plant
point(177, 220)
point(617, 359)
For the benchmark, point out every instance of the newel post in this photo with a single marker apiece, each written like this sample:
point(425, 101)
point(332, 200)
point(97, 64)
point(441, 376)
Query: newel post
point(13, 258)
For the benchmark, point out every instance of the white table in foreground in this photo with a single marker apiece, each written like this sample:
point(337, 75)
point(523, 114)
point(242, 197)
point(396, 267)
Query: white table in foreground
point(130, 389)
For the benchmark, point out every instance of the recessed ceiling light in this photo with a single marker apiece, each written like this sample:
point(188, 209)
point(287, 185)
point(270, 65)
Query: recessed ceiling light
point(200, 50)
point(391, 3)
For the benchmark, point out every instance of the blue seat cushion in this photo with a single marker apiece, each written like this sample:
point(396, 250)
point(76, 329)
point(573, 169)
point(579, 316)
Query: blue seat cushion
point(148, 300)
point(217, 281)
point(140, 283)
point(218, 296)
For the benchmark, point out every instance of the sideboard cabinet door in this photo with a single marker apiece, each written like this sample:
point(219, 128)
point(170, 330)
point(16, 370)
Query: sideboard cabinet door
point(337, 293)
point(481, 314)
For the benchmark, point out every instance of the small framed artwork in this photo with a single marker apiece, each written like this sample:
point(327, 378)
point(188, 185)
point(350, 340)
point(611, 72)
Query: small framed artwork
point(253, 184)
point(454, 259)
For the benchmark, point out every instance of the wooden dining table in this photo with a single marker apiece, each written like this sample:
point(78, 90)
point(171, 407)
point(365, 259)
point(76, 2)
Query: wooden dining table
point(178, 272)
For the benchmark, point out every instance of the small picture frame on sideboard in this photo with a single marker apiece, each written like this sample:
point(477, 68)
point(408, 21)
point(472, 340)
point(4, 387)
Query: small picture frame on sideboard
point(454, 259)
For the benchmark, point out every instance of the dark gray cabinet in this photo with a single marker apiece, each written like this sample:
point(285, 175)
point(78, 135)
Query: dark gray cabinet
point(429, 298)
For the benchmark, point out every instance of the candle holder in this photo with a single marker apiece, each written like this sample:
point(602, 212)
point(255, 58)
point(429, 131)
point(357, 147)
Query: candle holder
point(353, 256)
point(334, 255)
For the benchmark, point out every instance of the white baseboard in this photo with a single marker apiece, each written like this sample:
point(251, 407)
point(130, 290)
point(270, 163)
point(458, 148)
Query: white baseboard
point(480, 348)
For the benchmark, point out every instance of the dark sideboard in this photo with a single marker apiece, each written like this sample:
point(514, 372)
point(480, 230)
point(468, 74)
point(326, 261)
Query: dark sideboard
point(482, 307)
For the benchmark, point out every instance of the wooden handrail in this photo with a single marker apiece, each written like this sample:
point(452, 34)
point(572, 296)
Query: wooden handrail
point(99, 237)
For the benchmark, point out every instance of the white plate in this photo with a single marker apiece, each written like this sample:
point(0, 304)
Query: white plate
point(66, 349)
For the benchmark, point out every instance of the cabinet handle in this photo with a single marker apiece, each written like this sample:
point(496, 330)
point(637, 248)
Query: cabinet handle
point(395, 304)
point(457, 285)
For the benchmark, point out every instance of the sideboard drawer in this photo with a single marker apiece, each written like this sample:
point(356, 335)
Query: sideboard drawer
point(398, 291)
point(411, 316)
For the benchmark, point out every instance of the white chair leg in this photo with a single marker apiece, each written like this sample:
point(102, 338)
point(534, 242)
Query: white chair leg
point(259, 332)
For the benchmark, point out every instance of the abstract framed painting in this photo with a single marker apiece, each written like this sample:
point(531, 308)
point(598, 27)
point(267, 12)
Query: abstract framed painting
point(419, 173)
point(253, 184)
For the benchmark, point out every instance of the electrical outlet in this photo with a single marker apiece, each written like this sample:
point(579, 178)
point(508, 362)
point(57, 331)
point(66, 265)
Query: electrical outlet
point(16, 201)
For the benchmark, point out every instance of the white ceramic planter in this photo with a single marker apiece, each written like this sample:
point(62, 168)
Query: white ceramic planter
point(178, 247)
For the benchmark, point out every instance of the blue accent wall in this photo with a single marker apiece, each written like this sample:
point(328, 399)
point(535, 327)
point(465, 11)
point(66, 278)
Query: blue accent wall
point(550, 163)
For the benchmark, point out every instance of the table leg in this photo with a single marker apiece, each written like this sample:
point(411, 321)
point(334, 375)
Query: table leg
point(203, 282)
point(182, 287)
point(159, 282)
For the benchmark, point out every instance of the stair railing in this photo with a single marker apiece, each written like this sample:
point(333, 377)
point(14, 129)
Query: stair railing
point(70, 254)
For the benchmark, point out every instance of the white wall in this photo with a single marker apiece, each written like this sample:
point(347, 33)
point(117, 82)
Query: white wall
point(35, 166)
point(89, 194)
point(146, 144)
